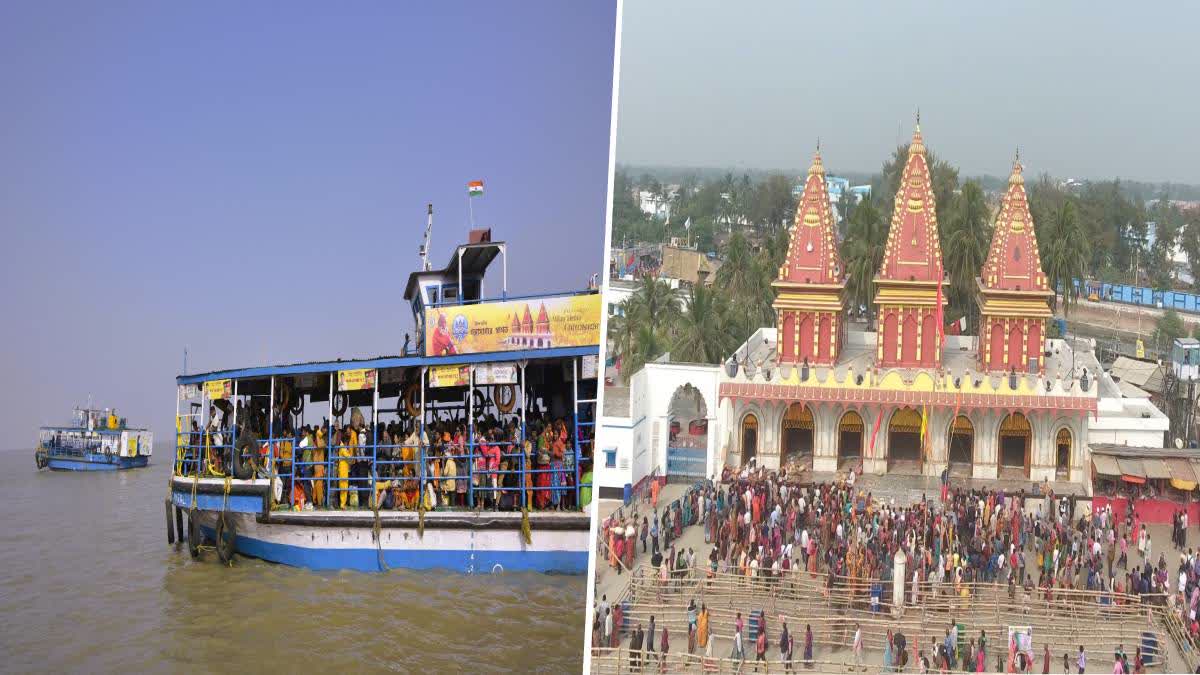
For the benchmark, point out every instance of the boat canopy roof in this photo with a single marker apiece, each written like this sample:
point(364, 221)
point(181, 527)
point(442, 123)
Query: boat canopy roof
point(475, 260)
point(381, 362)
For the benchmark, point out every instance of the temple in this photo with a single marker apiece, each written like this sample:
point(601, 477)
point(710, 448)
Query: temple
point(808, 301)
point(907, 398)
point(908, 286)
point(1013, 292)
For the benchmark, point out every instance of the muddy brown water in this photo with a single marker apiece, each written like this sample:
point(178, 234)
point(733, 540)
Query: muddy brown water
point(88, 583)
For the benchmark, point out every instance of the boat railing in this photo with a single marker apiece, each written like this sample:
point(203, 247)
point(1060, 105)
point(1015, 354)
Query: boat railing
point(285, 456)
point(503, 298)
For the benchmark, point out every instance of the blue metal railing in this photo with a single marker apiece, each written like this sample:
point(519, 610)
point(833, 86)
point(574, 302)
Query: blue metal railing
point(387, 467)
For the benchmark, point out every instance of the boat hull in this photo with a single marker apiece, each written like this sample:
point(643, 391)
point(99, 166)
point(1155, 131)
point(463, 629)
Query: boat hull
point(95, 462)
point(463, 541)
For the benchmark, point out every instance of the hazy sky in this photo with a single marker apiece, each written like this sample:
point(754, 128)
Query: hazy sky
point(250, 180)
point(1084, 89)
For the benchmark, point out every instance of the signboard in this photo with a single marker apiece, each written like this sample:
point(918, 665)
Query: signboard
point(356, 380)
point(188, 391)
point(217, 389)
point(1141, 349)
point(496, 373)
point(589, 366)
point(449, 376)
point(536, 323)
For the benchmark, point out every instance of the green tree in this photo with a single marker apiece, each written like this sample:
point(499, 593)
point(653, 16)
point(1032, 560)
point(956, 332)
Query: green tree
point(701, 335)
point(964, 250)
point(1168, 327)
point(1065, 252)
point(862, 252)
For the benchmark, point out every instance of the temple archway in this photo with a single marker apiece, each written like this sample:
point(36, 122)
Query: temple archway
point(1016, 441)
point(904, 441)
point(960, 447)
point(749, 438)
point(687, 441)
point(796, 432)
point(850, 440)
point(1062, 453)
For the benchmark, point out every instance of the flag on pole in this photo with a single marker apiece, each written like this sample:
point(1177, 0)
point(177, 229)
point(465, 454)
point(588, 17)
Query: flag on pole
point(687, 224)
point(475, 188)
point(874, 433)
point(924, 423)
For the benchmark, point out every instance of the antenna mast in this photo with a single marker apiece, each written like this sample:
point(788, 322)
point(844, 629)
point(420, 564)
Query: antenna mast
point(424, 251)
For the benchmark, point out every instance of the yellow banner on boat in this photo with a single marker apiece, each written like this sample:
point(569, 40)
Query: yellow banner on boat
point(356, 380)
point(449, 376)
point(216, 389)
point(536, 323)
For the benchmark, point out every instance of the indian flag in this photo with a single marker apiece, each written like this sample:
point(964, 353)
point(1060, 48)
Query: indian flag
point(475, 188)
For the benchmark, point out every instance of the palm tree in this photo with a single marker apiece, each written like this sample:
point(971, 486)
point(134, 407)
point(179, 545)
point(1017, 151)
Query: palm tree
point(745, 281)
point(622, 334)
point(862, 252)
point(647, 346)
point(1067, 253)
point(965, 248)
point(701, 335)
point(654, 303)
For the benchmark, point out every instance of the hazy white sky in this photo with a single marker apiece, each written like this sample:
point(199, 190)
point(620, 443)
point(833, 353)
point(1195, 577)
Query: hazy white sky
point(1091, 90)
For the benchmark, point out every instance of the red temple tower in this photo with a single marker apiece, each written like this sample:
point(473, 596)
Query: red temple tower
point(908, 291)
point(809, 290)
point(1013, 292)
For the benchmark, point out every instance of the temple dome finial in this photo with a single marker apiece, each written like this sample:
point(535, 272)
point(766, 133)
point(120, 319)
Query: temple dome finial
point(1016, 177)
point(816, 167)
point(918, 143)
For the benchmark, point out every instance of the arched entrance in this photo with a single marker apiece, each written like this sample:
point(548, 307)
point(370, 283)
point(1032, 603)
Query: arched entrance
point(1062, 453)
point(797, 434)
point(961, 446)
point(904, 441)
point(749, 438)
point(687, 444)
point(850, 440)
point(1016, 440)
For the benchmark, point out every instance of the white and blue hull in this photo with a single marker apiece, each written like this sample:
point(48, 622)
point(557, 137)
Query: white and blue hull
point(94, 462)
point(353, 548)
point(462, 541)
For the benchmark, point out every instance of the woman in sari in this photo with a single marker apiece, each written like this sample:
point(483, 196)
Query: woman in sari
point(542, 498)
point(558, 476)
point(318, 468)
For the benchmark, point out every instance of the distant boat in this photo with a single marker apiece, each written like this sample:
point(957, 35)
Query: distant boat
point(96, 440)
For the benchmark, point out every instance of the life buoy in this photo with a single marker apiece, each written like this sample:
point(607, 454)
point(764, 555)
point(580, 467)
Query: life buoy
point(505, 398)
point(284, 395)
point(194, 535)
point(226, 538)
point(297, 408)
point(244, 469)
point(340, 402)
point(411, 400)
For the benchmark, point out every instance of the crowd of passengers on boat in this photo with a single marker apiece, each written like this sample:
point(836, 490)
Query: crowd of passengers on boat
point(395, 465)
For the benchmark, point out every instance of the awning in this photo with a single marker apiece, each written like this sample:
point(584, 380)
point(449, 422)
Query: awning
point(1155, 468)
point(1105, 465)
point(1182, 475)
point(1131, 470)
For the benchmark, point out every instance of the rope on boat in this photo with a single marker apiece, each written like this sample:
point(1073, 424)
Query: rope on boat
point(526, 530)
point(377, 535)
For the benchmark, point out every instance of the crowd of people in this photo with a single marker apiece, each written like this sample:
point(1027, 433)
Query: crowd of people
point(351, 464)
point(766, 524)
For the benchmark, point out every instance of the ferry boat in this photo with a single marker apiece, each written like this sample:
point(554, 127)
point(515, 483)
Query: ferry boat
point(471, 450)
point(96, 440)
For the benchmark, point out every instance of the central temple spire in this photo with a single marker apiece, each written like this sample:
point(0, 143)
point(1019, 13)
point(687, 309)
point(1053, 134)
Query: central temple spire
point(907, 285)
